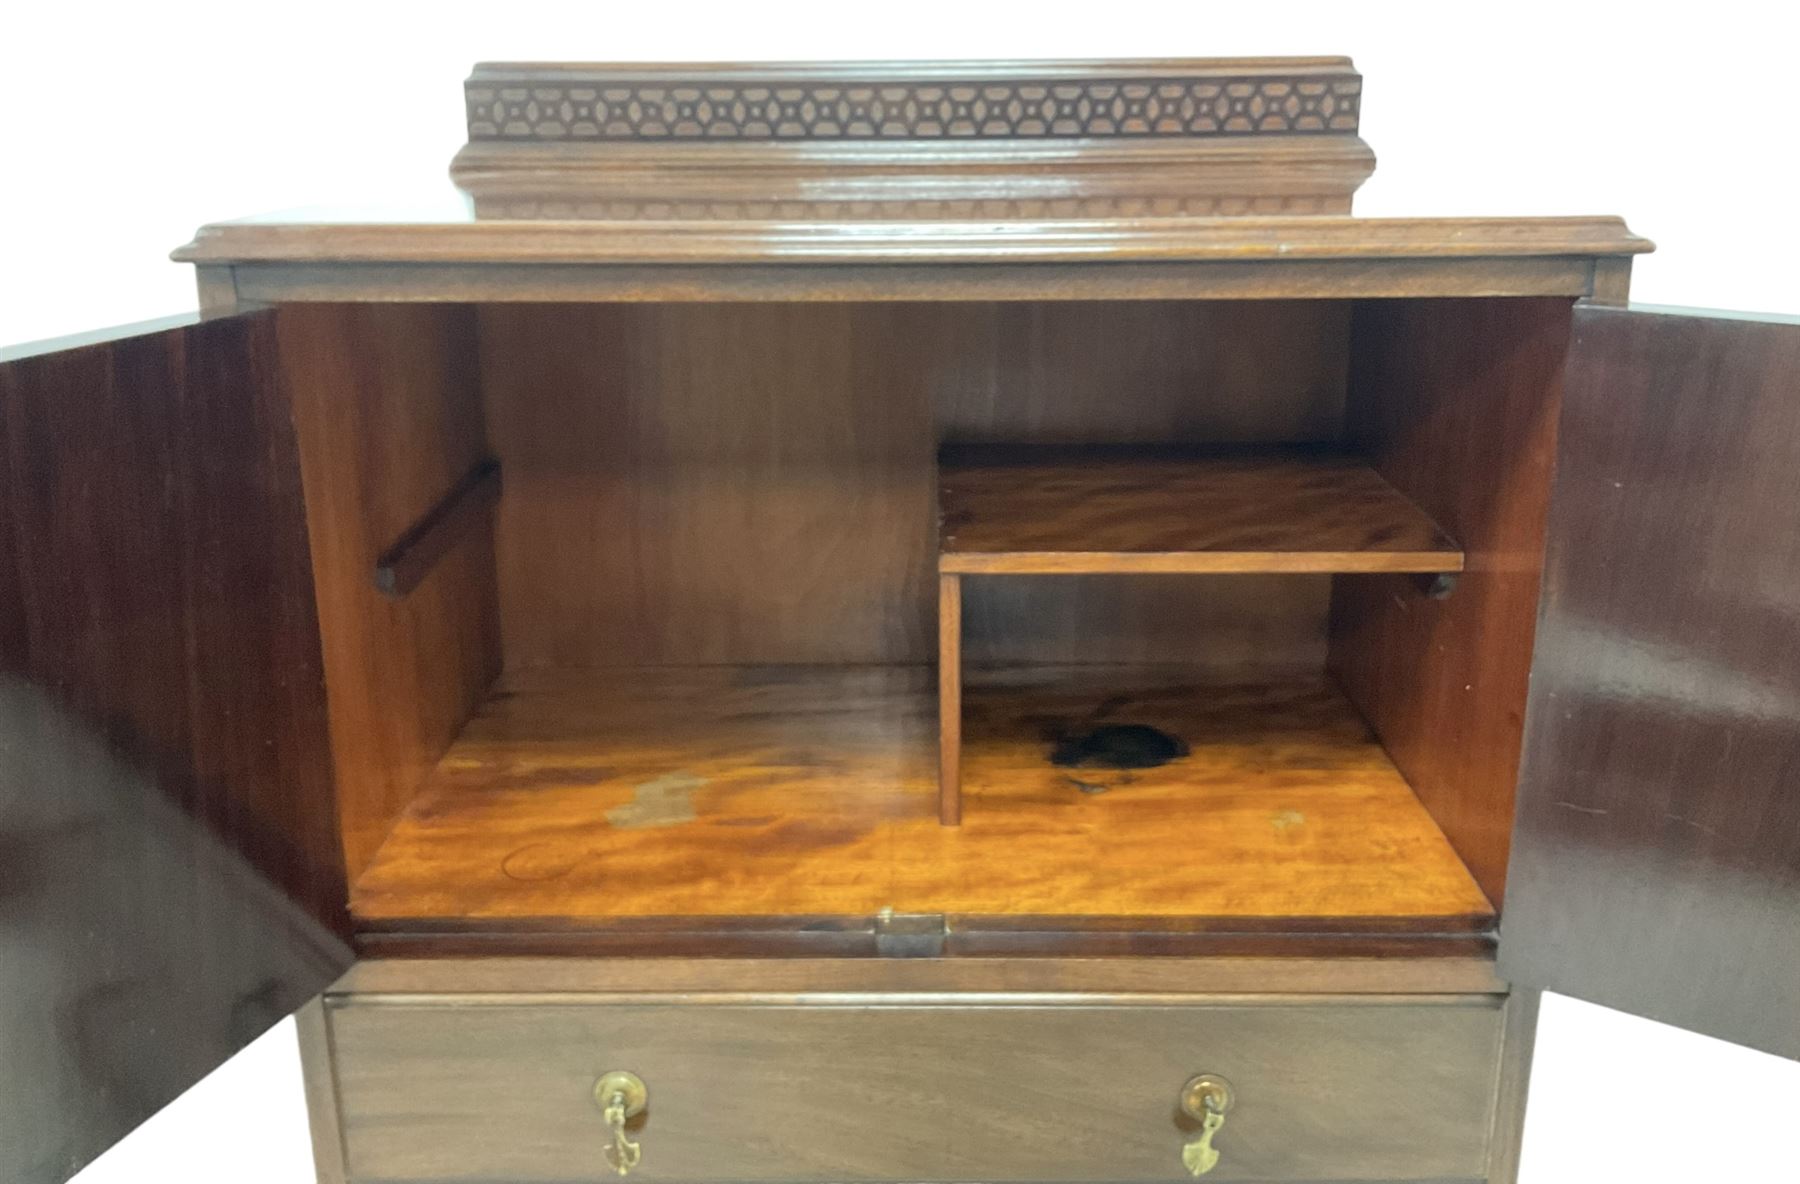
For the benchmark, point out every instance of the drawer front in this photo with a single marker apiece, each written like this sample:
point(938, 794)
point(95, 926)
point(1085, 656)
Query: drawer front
point(488, 1090)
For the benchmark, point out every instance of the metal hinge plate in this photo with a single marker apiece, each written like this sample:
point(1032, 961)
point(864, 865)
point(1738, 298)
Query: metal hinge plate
point(910, 935)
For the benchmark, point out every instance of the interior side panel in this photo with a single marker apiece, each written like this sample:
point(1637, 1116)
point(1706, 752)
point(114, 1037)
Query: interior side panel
point(387, 407)
point(1455, 402)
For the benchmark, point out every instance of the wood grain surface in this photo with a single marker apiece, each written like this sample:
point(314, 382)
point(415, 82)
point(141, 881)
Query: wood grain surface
point(794, 980)
point(871, 1088)
point(465, 510)
point(1518, 1042)
point(949, 676)
point(954, 282)
point(882, 140)
point(1086, 511)
point(695, 643)
point(1455, 403)
point(809, 795)
point(388, 417)
point(171, 879)
point(1400, 939)
point(352, 236)
point(1660, 792)
point(740, 484)
point(319, 1081)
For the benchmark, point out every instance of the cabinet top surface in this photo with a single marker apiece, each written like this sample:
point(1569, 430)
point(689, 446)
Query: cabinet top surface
point(886, 167)
point(455, 235)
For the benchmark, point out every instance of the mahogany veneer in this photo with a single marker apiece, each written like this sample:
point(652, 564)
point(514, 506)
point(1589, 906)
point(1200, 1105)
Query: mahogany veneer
point(666, 689)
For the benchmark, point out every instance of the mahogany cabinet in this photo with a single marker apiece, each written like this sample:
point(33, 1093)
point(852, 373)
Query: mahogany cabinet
point(919, 622)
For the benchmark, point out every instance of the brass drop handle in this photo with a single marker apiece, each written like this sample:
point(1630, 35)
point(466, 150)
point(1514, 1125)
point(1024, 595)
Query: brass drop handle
point(1206, 1098)
point(621, 1096)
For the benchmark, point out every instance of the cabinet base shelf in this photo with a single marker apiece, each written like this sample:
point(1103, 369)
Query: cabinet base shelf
point(674, 808)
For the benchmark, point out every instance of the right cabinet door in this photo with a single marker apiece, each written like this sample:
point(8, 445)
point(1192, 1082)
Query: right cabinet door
point(1656, 855)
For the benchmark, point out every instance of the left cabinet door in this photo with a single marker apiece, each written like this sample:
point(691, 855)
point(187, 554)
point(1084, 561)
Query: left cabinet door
point(171, 879)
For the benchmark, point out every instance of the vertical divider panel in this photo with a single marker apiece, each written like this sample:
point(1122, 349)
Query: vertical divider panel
point(950, 699)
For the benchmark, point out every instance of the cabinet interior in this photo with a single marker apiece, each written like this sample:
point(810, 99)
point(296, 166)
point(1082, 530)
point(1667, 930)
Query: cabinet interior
point(630, 611)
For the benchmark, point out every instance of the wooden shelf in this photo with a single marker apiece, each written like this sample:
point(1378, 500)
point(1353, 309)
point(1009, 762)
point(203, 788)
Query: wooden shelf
point(1080, 511)
point(799, 798)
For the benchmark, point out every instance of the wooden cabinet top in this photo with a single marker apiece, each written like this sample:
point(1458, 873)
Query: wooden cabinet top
point(311, 256)
point(325, 236)
point(946, 180)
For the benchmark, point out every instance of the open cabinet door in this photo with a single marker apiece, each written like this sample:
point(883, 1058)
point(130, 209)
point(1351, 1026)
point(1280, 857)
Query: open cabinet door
point(1656, 857)
point(171, 882)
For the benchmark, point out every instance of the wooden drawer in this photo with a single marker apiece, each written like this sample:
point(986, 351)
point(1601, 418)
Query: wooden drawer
point(1339, 1089)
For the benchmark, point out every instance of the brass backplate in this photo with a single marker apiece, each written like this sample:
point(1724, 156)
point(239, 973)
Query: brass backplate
point(1206, 1093)
point(628, 1086)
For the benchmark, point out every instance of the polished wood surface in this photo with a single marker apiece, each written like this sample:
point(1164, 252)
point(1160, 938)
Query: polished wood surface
point(878, 1089)
point(1401, 939)
point(794, 980)
point(1455, 403)
point(353, 255)
point(1612, 281)
point(722, 484)
point(647, 797)
point(1656, 865)
point(169, 859)
point(949, 676)
point(1017, 510)
point(884, 140)
point(1025, 282)
point(711, 588)
point(737, 484)
point(1133, 372)
point(455, 236)
point(1518, 1041)
point(846, 181)
point(318, 1078)
point(1012, 511)
point(465, 509)
point(1248, 626)
point(387, 410)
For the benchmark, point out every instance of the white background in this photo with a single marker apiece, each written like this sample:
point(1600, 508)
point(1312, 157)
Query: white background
point(125, 129)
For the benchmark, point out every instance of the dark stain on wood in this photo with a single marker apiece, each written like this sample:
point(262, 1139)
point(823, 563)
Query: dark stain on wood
point(1118, 746)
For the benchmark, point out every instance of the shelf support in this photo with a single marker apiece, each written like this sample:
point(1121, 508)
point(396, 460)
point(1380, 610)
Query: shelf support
point(1438, 586)
point(404, 566)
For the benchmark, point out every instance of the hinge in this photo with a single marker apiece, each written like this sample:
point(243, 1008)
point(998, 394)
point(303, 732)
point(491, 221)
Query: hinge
point(910, 935)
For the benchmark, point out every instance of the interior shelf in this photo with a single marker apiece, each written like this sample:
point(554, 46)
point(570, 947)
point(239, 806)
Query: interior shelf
point(1086, 510)
point(808, 793)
